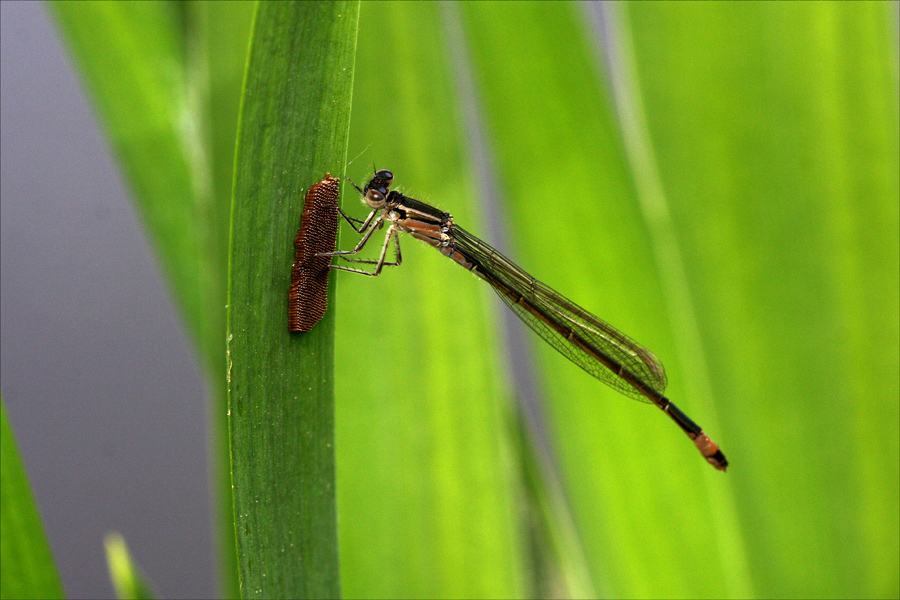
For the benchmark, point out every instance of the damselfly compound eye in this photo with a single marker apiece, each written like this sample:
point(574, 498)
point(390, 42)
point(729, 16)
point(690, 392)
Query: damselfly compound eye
point(384, 176)
point(381, 181)
point(374, 198)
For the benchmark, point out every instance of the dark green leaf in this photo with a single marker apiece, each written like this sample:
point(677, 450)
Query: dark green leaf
point(294, 127)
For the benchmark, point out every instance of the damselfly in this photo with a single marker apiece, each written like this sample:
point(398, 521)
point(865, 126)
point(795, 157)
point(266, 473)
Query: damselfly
point(589, 342)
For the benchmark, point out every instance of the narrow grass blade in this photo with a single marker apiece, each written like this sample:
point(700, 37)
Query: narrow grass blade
point(136, 72)
point(127, 580)
point(294, 127)
point(25, 559)
point(571, 210)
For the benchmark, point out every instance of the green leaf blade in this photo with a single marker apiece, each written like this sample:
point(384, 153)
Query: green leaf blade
point(25, 557)
point(294, 125)
point(783, 180)
point(427, 477)
point(776, 147)
point(576, 225)
point(167, 78)
point(136, 74)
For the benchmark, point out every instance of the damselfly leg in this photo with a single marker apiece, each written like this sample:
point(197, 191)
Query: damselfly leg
point(367, 228)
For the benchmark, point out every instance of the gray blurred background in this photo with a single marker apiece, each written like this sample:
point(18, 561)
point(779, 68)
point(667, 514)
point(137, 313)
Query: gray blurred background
point(104, 394)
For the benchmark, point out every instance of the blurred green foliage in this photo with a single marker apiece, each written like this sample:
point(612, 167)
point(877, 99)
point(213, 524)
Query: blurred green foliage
point(763, 270)
point(127, 578)
point(25, 558)
point(721, 183)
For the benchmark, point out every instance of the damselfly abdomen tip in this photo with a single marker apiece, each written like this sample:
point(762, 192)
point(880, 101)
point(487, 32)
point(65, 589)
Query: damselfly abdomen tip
point(710, 450)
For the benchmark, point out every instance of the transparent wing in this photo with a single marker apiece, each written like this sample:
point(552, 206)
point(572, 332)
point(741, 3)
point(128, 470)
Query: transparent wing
point(554, 318)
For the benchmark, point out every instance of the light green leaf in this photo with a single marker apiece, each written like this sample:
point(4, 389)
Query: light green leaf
point(25, 558)
point(167, 79)
point(137, 74)
point(765, 277)
point(128, 581)
point(775, 127)
point(294, 126)
point(427, 482)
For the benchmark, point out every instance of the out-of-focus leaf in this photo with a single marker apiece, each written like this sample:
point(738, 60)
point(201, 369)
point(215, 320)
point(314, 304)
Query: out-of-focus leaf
point(25, 558)
point(427, 483)
point(775, 127)
point(167, 78)
point(127, 580)
point(765, 277)
point(577, 226)
point(136, 73)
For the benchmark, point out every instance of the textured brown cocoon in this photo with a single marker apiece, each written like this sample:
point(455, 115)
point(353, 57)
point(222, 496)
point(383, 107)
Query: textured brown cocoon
point(308, 296)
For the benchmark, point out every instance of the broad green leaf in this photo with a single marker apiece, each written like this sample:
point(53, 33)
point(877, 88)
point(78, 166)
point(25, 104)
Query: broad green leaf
point(25, 558)
point(764, 276)
point(127, 579)
point(294, 126)
point(775, 127)
point(427, 482)
point(167, 79)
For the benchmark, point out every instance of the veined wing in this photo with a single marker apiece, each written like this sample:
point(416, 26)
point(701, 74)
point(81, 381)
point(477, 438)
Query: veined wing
point(565, 325)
